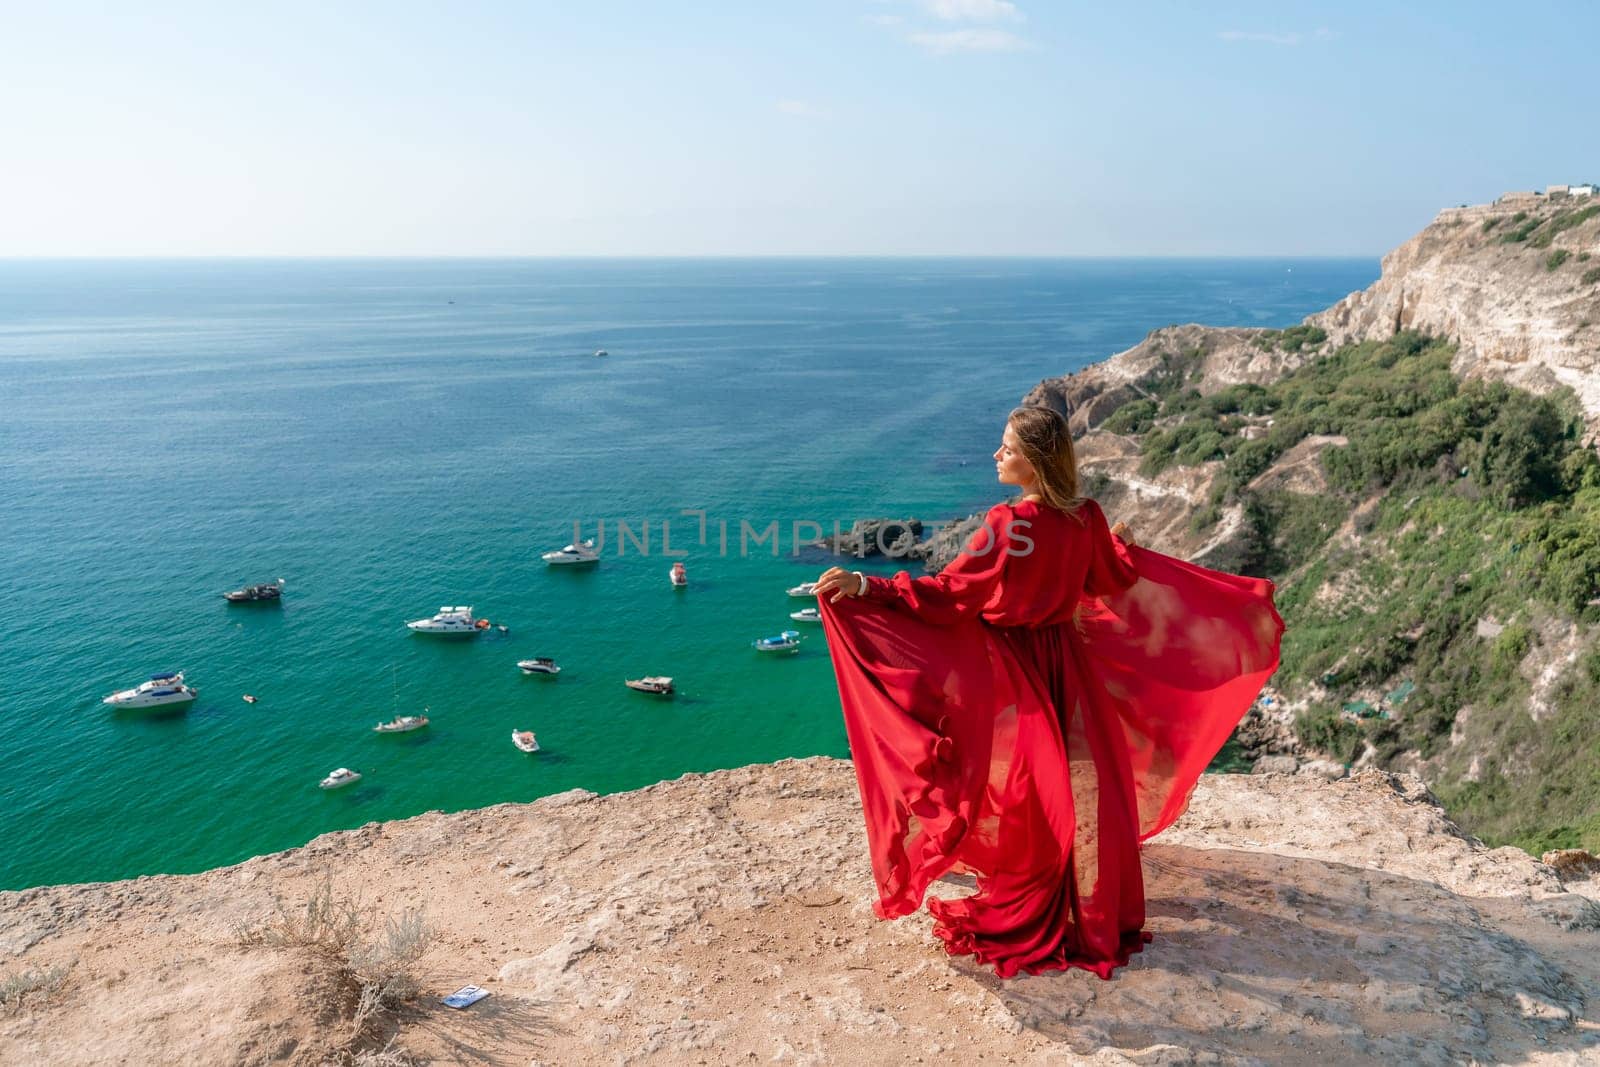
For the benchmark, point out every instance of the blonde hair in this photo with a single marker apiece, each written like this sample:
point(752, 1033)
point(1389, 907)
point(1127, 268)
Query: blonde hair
point(1047, 444)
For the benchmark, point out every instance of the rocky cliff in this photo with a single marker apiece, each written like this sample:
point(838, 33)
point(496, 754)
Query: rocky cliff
point(1515, 285)
point(726, 918)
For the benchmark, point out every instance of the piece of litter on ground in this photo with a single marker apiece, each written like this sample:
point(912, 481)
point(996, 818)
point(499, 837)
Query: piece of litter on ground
point(467, 994)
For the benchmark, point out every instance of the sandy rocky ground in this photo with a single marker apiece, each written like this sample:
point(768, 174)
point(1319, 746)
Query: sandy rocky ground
point(725, 918)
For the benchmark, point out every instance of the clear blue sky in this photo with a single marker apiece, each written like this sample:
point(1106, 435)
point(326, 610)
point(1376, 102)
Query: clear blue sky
point(973, 127)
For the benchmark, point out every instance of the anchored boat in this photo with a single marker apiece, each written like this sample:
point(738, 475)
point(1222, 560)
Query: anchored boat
point(253, 593)
point(340, 778)
point(402, 724)
point(161, 690)
point(579, 552)
point(788, 641)
point(449, 621)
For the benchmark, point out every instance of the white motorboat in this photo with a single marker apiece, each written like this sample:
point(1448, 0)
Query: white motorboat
point(788, 641)
point(678, 576)
point(162, 690)
point(401, 724)
point(806, 615)
point(539, 665)
point(660, 685)
point(340, 778)
point(601, 352)
point(448, 621)
point(803, 589)
point(524, 740)
point(580, 552)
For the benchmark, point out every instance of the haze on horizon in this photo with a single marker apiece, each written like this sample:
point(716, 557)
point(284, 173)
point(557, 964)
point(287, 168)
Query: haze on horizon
point(840, 127)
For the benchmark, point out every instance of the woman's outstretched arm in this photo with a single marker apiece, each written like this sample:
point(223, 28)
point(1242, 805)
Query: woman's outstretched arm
point(958, 592)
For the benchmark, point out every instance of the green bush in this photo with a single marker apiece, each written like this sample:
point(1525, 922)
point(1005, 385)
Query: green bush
point(1135, 416)
point(1510, 649)
point(1195, 440)
point(1489, 224)
point(1297, 337)
point(1561, 221)
point(1321, 729)
point(1556, 258)
point(1517, 458)
point(1591, 276)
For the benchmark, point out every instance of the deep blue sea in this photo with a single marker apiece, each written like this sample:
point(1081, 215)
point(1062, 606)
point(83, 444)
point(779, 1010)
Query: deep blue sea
point(390, 436)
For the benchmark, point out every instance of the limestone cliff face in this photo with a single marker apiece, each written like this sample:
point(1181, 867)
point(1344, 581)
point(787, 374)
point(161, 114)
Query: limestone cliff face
point(726, 919)
point(1514, 315)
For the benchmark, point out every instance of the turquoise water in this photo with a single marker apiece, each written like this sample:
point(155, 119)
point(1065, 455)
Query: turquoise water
point(390, 436)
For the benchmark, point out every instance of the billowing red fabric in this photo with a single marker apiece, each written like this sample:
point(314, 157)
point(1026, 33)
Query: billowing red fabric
point(1033, 712)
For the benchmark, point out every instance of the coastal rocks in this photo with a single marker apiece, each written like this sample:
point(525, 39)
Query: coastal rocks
point(1572, 864)
point(946, 543)
point(1201, 357)
point(1323, 768)
point(895, 538)
point(727, 917)
point(1275, 765)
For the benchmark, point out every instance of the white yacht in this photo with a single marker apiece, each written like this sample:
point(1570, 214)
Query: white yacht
point(525, 740)
point(539, 665)
point(581, 552)
point(338, 779)
point(448, 620)
point(806, 615)
point(803, 589)
point(160, 691)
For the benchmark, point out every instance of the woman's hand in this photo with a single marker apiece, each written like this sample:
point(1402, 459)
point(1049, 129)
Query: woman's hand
point(1121, 530)
point(838, 582)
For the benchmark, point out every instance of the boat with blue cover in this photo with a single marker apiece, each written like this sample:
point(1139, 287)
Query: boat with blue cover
point(788, 641)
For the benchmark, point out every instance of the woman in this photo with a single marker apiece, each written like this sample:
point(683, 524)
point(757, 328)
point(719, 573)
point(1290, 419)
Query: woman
point(1037, 709)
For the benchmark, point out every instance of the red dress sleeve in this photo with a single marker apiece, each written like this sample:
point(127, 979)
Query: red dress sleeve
point(1111, 568)
point(963, 589)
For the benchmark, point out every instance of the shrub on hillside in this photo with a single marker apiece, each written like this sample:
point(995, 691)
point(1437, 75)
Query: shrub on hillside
point(1135, 416)
point(1517, 458)
point(1321, 729)
point(1561, 221)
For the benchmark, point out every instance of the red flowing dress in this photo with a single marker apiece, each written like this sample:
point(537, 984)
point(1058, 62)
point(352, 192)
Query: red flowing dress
point(1030, 715)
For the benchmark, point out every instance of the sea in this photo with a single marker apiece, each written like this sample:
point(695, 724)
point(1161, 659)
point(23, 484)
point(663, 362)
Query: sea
point(391, 436)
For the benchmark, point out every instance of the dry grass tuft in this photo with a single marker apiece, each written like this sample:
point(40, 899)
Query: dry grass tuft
point(371, 974)
point(31, 984)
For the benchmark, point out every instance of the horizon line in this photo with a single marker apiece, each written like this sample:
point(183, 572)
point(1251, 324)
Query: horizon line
point(290, 256)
